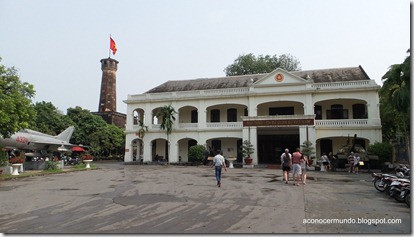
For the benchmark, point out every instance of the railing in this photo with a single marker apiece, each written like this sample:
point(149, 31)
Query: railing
point(341, 84)
point(188, 125)
point(239, 125)
point(225, 125)
point(189, 94)
point(342, 122)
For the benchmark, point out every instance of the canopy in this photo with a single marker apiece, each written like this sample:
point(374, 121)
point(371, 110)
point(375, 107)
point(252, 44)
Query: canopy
point(77, 148)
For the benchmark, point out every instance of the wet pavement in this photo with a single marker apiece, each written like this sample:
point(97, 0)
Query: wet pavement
point(119, 198)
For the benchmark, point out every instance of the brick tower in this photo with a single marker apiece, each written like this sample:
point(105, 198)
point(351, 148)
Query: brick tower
point(107, 100)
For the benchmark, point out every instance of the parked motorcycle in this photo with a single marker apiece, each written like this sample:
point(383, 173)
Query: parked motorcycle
point(396, 188)
point(71, 161)
point(382, 181)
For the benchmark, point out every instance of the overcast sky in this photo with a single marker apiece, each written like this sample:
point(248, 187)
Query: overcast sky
point(57, 45)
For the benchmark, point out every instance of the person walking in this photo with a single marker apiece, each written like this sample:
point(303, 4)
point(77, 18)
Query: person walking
point(304, 168)
point(356, 163)
point(286, 160)
point(296, 169)
point(351, 162)
point(218, 163)
point(325, 162)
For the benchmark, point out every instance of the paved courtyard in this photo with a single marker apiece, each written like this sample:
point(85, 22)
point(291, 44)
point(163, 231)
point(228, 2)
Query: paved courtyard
point(171, 199)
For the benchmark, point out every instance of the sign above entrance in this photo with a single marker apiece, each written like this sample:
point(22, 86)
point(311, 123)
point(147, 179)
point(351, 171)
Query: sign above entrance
point(279, 122)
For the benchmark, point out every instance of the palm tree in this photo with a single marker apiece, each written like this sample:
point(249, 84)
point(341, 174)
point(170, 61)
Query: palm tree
point(166, 114)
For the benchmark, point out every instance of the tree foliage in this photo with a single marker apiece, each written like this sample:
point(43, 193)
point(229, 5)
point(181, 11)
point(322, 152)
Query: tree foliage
point(16, 109)
point(395, 107)
point(307, 149)
point(247, 148)
point(49, 119)
point(250, 64)
point(196, 154)
point(166, 114)
point(382, 149)
point(104, 139)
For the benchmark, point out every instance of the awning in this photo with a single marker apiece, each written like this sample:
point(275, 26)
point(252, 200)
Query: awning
point(77, 148)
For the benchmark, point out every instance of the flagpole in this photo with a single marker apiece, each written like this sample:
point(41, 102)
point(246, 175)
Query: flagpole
point(109, 51)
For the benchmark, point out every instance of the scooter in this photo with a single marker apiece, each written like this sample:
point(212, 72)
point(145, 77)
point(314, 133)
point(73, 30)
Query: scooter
point(380, 180)
point(396, 187)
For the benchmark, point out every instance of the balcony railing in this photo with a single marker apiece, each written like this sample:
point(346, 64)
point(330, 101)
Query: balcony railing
point(239, 125)
point(227, 125)
point(341, 122)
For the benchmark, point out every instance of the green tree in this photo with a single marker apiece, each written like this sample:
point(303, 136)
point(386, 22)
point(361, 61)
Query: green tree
point(250, 64)
point(307, 149)
point(86, 124)
point(16, 108)
point(92, 130)
point(395, 106)
point(383, 150)
point(196, 154)
point(166, 114)
point(49, 119)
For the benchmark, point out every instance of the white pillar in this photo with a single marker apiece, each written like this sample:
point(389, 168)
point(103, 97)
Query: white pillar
point(147, 152)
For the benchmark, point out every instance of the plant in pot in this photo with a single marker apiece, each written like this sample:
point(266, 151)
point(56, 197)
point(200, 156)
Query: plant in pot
point(308, 150)
point(247, 150)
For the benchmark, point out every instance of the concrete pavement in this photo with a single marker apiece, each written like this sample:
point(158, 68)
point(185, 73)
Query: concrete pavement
point(171, 199)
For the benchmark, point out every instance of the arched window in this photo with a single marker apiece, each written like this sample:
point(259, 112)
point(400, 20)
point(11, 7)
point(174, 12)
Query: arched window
point(358, 111)
point(136, 117)
point(232, 115)
point(318, 112)
point(215, 115)
point(194, 116)
point(337, 112)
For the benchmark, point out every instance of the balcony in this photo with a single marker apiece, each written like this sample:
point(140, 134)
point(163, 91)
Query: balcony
point(341, 123)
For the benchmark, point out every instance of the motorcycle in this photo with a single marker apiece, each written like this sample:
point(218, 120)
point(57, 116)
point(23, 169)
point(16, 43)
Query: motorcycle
point(396, 188)
point(71, 161)
point(382, 181)
point(406, 194)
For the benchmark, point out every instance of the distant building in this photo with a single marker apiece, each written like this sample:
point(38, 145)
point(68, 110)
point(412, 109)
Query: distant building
point(274, 111)
point(107, 100)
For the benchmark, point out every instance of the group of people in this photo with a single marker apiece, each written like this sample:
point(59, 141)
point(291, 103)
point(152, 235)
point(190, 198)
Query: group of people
point(353, 162)
point(295, 162)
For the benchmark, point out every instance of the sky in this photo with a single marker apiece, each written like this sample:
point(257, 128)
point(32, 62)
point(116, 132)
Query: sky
point(57, 45)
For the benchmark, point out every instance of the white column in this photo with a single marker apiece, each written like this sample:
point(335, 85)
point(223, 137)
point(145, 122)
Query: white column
point(253, 141)
point(173, 156)
point(128, 149)
point(147, 151)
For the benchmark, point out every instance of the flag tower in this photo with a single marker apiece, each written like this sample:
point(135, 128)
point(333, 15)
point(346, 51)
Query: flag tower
point(107, 101)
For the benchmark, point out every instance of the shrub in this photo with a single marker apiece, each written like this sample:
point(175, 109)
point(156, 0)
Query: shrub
point(3, 158)
point(382, 149)
point(51, 165)
point(196, 154)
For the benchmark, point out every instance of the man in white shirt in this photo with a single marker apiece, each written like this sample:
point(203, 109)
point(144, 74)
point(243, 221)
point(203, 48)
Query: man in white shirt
point(356, 163)
point(219, 162)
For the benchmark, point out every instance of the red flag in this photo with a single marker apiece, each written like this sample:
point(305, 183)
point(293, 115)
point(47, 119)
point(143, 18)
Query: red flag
point(112, 46)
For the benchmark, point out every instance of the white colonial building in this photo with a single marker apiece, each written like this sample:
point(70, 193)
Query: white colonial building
point(274, 111)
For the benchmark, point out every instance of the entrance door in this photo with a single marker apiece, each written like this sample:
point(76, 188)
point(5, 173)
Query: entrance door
point(272, 142)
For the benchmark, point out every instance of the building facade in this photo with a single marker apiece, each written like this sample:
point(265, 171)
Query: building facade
point(273, 111)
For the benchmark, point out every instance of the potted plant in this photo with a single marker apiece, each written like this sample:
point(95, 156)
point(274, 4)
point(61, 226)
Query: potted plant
point(308, 150)
point(87, 159)
point(17, 160)
point(247, 150)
